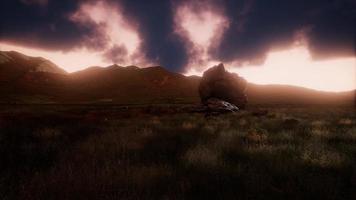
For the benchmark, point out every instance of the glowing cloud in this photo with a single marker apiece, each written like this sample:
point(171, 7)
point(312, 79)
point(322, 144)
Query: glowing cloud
point(296, 67)
point(114, 35)
point(113, 39)
point(201, 26)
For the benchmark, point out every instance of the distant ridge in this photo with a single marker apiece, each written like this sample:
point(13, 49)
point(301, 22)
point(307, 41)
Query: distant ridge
point(25, 79)
point(12, 60)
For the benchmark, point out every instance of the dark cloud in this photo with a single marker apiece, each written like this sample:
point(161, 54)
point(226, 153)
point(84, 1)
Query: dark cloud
point(255, 27)
point(156, 26)
point(47, 28)
point(35, 2)
point(333, 30)
point(116, 54)
point(95, 39)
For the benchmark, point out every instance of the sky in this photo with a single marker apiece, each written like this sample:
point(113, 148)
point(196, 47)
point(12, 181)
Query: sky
point(304, 43)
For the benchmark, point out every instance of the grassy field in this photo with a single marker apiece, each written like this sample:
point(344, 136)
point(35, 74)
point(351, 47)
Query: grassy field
point(165, 152)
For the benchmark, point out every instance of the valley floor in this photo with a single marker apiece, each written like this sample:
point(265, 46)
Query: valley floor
point(170, 152)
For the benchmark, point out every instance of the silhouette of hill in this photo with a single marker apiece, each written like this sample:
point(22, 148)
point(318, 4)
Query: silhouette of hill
point(293, 95)
point(27, 79)
point(14, 63)
point(134, 85)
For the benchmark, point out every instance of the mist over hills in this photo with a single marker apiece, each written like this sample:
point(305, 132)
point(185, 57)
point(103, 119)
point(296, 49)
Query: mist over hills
point(25, 79)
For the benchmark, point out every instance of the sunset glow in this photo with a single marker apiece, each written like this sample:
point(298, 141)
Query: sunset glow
point(116, 38)
point(295, 67)
point(292, 67)
point(177, 99)
point(70, 61)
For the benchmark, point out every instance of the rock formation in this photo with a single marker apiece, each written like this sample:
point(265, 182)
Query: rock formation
point(220, 106)
point(219, 84)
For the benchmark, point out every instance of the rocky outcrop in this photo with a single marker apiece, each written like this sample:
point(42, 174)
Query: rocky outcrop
point(220, 106)
point(217, 83)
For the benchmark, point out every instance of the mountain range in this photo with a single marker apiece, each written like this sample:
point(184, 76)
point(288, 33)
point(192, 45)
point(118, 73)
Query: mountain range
point(25, 79)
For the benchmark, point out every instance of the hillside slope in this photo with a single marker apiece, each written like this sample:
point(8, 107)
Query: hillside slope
point(293, 95)
point(25, 79)
point(133, 85)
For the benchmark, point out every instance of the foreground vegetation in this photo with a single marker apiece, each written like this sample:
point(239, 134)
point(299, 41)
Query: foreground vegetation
point(168, 153)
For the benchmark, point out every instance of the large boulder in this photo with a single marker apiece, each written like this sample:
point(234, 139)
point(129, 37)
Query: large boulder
point(220, 84)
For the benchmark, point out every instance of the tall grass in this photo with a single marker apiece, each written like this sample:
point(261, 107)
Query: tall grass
point(289, 153)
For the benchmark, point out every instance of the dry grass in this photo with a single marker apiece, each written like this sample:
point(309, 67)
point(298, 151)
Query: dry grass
point(291, 153)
